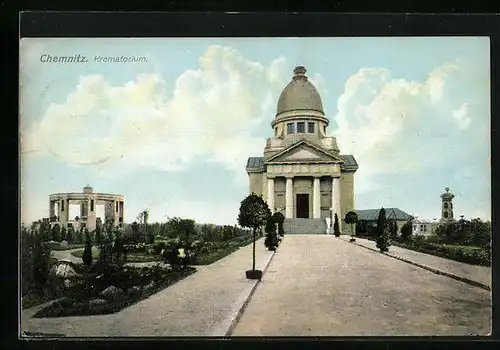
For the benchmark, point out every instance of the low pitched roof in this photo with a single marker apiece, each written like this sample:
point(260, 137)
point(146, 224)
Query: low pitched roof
point(257, 163)
point(390, 213)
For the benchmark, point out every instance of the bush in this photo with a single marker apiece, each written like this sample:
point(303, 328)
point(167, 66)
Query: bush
point(271, 241)
point(87, 253)
point(383, 241)
point(35, 261)
point(336, 228)
point(407, 230)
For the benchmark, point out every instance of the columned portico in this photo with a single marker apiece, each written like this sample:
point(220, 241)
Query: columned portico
point(302, 172)
point(336, 200)
point(270, 194)
point(316, 199)
point(289, 198)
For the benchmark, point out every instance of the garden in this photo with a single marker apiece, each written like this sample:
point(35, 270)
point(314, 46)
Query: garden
point(467, 241)
point(103, 282)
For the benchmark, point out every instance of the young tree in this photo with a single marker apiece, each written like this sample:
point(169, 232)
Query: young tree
point(36, 258)
point(136, 233)
point(98, 234)
point(56, 233)
point(407, 230)
point(336, 228)
point(70, 235)
point(44, 231)
point(271, 241)
point(110, 236)
point(351, 218)
point(383, 241)
point(253, 214)
point(119, 256)
point(64, 235)
point(279, 218)
point(80, 235)
point(394, 229)
point(87, 252)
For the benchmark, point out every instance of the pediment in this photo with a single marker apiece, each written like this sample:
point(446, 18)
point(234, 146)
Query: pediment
point(303, 152)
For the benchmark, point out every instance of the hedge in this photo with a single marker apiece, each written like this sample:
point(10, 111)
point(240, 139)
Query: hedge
point(466, 254)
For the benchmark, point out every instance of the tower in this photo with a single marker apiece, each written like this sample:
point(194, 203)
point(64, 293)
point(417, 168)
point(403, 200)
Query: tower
point(447, 206)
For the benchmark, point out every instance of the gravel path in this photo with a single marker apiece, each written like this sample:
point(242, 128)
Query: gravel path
point(480, 274)
point(203, 304)
point(324, 286)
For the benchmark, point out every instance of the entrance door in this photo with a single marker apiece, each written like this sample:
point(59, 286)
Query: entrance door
point(303, 206)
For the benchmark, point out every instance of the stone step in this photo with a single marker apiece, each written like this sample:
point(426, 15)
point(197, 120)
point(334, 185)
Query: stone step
point(305, 226)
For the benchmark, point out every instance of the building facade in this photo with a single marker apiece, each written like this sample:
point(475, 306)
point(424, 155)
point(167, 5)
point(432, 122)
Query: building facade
point(302, 173)
point(113, 208)
point(423, 227)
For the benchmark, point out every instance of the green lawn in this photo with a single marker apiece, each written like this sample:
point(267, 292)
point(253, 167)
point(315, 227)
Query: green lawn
point(206, 259)
point(79, 253)
point(131, 257)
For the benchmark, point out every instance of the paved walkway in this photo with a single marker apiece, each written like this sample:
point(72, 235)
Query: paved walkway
point(203, 304)
point(479, 274)
point(324, 286)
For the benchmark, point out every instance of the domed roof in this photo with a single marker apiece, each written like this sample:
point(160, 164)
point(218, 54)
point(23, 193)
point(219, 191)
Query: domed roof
point(299, 94)
point(447, 194)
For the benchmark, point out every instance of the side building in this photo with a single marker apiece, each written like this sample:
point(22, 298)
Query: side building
point(368, 218)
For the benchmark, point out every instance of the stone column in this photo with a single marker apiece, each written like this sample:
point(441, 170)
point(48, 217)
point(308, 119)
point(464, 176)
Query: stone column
point(316, 199)
point(336, 200)
point(51, 209)
point(270, 194)
point(289, 198)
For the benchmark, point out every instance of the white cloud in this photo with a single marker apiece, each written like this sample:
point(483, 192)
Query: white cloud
point(462, 117)
point(385, 122)
point(214, 113)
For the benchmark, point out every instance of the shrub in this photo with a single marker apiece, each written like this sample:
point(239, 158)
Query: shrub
point(35, 261)
point(78, 234)
point(336, 228)
point(158, 247)
point(407, 230)
point(279, 218)
point(56, 233)
point(87, 252)
point(171, 255)
point(351, 218)
point(383, 241)
point(271, 241)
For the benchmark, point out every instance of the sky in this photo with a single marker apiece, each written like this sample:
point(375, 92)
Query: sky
point(172, 132)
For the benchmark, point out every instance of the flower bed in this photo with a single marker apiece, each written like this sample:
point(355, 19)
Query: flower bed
point(59, 246)
point(133, 257)
point(94, 294)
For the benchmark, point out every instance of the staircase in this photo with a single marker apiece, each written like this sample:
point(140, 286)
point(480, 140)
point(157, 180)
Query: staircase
point(305, 226)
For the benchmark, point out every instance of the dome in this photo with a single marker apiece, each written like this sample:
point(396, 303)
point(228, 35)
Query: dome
point(88, 189)
point(447, 195)
point(299, 94)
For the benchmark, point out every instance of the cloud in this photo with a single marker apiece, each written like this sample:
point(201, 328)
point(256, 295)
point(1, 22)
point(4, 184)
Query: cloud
point(214, 112)
point(462, 117)
point(386, 122)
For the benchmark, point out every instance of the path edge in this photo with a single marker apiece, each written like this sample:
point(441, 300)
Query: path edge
point(238, 315)
point(428, 268)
